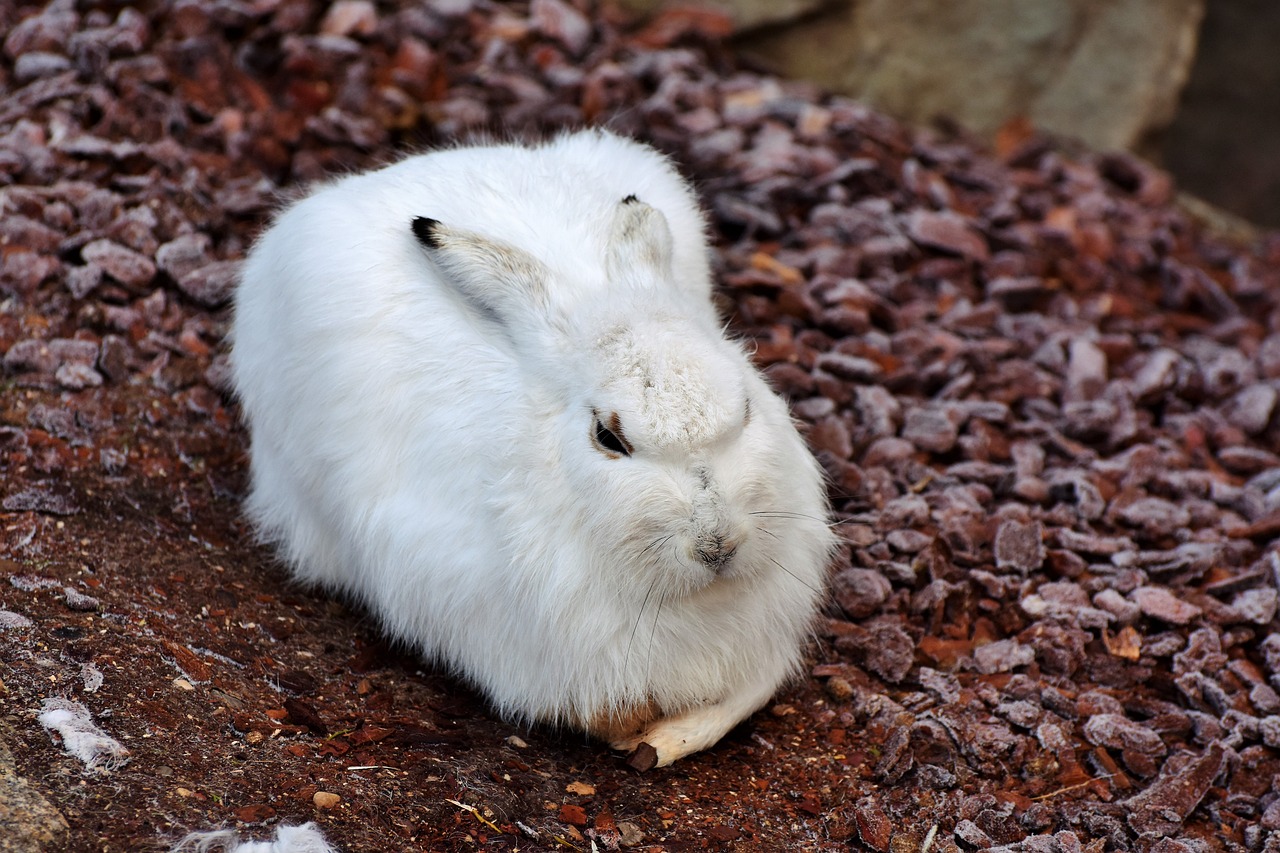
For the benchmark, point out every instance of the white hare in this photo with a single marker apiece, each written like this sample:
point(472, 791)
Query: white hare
point(489, 396)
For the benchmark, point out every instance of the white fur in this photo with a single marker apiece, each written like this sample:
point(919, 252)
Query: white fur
point(422, 418)
point(289, 839)
point(81, 736)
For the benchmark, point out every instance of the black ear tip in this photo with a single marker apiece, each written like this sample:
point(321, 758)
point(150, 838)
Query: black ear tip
point(631, 199)
point(425, 230)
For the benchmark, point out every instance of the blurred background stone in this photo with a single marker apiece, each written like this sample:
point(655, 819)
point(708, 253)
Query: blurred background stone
point(1190, 85)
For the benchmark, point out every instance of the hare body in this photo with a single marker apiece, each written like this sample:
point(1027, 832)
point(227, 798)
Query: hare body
point(488, 395)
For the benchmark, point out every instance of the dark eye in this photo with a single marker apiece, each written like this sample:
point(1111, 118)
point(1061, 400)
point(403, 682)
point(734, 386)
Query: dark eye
point(610, 440)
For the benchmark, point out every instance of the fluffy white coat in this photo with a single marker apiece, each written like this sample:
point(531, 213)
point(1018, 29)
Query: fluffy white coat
point(489, 396)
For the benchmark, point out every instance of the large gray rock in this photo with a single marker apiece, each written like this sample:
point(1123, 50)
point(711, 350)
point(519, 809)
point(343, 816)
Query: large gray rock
point(28, 822)
point(1108, 73)
point(745, 14)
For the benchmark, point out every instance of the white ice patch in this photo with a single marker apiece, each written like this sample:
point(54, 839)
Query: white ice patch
point(289, 839)
point(81, 737)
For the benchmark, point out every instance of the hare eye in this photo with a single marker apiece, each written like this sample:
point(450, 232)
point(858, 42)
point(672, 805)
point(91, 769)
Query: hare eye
point(610, 440)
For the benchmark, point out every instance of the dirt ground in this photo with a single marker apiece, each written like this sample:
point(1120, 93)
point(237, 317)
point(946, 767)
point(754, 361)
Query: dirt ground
point(1048, 401)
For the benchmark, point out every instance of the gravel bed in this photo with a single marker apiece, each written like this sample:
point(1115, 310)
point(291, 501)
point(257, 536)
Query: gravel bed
point(1047, 399)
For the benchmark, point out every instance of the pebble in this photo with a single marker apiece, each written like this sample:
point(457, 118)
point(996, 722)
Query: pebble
point(184, 255)
point(931, 429)
point(1119, 732)
point(76, 376)
point(1256, 605)
point(1159, 603)
point(1154, 516)
point(350, 17)
point(860, 592)
point(211, 284)
point(325, 800)
point(947, 231)
point(1020, 546)
point(1002, 656)
point(123, 264)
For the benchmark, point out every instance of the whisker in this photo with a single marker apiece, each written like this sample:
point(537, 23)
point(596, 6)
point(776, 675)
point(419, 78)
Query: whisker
point(653, 632)
point(768, 532)
point(798, 579)
point(657, 543)
point(626, 658)
point(793, 515)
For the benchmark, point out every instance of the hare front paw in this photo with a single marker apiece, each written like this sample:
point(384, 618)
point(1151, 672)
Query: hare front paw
point(673, 738)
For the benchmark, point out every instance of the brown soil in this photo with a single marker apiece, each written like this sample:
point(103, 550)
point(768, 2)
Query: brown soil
point(1047, 401)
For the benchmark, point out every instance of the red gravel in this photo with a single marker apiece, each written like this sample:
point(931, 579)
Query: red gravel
point(1048, 401)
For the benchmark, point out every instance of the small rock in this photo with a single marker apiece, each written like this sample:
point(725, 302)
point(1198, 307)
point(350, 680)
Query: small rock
point(77, 377)
point(631, 835)
point(1002, 656)
point(517, 742)
point(1117, 605)
point(1119, 732)
point(39, 500)
point(860, 592)
point(1248, 461)
point(831, 434)
point(888, 451)
point(909, 541)
point(348, 17)
point(1020, 546)
point(1058, 645)
point(813, 409)
point(948, 232)
point(1086, 371)
point(1256, 605)
point(126, 266)
point(970, 834)
point(77, 600)
point(325, 800)
point(1155, 516)
point(1021, 713)
point(1158, 603)
point(643, 758)
point(877, 411)
point(562, 22)
point(183, 255)
point(931, 429)
point(886, 650)
point(1251, 409)
point(46, 356)
point(82, 280)
point(18, 231)
point(212, 283)
point(1158, 374)
point(1161, 808)
point(113, 358)
point(849, 367)
point(10, 620)
point(1064, 600)
point(874, 826)
point(1017, 294)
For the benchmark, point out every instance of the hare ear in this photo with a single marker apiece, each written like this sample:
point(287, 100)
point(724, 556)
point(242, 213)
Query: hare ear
point(639, 242)
point(499, 279)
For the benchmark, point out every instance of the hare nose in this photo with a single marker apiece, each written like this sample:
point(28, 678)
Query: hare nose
point(716, 552)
